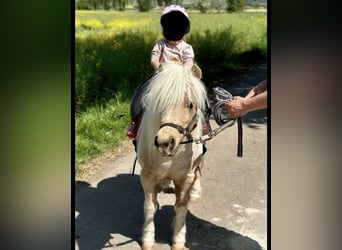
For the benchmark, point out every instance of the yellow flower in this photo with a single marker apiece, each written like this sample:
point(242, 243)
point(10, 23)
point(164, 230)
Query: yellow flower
point(92, 24)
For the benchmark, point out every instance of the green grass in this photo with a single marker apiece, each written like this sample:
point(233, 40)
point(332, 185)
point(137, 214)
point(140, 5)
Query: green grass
point(100, 128)
point(112, 53)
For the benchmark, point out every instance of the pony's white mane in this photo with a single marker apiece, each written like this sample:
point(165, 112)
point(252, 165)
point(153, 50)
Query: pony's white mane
point(169, 87)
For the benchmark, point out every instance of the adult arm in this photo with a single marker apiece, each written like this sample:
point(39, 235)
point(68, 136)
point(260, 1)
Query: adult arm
point(255, 99)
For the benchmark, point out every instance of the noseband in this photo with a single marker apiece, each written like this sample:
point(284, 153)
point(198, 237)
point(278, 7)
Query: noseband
point(185, 131)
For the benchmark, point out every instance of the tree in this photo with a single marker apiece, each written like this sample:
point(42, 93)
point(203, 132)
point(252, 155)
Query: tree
point(167, 2)
point(202, 5)
point(218, 5)
point(235, 5)
point(83, 5)
point(144, 5)
point(94, 3)
point(119, 4)
point(160, 3)
point(105, 4)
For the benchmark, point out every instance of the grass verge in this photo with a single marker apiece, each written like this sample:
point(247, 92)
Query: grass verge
point(100, 128)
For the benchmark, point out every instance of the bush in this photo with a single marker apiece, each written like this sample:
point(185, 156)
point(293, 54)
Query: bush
point(224, 60)
point(235, 5)
point(144, 5)
point(202, 5)
point(106, 66)
point(211, 57)
point(82, 5)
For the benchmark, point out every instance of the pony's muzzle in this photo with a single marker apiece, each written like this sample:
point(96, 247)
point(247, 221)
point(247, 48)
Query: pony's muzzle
point(166, 146)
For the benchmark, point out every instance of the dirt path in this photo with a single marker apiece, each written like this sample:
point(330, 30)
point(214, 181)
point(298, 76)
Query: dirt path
point(232, 213)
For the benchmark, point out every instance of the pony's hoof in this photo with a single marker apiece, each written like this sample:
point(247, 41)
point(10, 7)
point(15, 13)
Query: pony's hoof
point(193, 200)
point(194, 197)
point(177, 247)
point(147, 247)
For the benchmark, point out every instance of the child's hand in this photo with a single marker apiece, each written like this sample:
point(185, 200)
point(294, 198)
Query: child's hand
point(156, 65)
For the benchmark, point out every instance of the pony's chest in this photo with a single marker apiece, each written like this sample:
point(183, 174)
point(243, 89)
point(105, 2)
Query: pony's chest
point(172, 167)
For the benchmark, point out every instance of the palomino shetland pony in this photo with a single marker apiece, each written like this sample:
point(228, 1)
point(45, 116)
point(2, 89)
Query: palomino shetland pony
point(173, 107)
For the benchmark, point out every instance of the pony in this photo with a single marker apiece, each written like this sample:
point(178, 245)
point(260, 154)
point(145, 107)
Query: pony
point(174, 106)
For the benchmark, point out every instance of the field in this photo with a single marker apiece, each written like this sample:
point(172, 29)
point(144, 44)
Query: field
point(112, 52)
point(108, 23)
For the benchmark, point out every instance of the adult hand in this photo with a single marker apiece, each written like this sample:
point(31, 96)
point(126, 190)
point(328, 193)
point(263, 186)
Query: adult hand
point(236, 107)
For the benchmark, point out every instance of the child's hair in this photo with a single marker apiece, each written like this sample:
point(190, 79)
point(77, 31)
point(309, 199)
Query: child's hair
point(175, 22)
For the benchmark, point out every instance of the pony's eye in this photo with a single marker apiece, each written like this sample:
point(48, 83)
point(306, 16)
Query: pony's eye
point(190, 105)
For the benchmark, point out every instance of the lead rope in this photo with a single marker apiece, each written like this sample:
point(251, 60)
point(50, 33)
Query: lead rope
point(223, 96)
point(134, 164)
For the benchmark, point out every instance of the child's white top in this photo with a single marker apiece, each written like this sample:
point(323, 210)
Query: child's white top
point(180, 53)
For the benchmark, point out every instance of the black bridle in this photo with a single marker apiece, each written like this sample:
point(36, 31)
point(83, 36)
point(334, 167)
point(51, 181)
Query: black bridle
point(185, 131)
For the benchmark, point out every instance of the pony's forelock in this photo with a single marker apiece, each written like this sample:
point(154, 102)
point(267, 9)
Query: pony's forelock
point(169, 87)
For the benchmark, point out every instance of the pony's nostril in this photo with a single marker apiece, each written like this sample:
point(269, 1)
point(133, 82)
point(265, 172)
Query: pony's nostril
point(172, 143)
point(156, 141)
point(160, 143)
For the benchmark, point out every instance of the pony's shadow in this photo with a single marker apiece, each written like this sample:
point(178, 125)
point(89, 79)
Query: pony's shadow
point(201, 234)
point(115, 206)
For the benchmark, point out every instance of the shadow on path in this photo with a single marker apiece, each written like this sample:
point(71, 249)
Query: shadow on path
point(115, 206)
point(201, 234)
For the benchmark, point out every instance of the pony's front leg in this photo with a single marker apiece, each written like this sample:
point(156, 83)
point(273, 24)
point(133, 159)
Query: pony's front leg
point(150, 186)
point(181, 208)
point(196, 189)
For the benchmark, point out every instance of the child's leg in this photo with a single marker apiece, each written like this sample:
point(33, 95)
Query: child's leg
point(136, 109)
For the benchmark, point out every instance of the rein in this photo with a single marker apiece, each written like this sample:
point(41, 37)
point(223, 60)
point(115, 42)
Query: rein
point(222, 96)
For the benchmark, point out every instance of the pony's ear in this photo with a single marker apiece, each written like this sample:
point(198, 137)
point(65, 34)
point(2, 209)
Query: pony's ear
point(196, 70)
